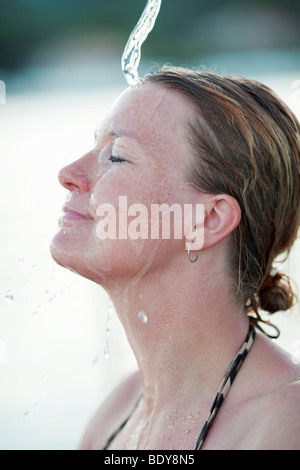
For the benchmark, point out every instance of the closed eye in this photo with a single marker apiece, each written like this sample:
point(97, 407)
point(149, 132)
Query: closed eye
point(117, 159)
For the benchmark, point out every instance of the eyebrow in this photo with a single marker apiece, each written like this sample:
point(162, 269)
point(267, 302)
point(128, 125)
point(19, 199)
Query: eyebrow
point(114, 133)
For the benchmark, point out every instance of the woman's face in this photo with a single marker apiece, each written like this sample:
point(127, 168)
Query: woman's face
point(141, 153)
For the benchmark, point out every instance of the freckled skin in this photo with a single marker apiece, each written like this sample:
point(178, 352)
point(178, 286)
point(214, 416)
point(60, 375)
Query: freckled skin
point(195, 325)
point(155, 175)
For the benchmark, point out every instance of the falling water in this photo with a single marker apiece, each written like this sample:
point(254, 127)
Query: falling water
point(132, 52)
point(107, 330)
point(9, 297)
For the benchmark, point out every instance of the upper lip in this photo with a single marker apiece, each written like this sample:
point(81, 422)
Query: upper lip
point(82, 214)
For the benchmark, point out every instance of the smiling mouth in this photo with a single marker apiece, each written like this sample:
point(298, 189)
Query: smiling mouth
point(74, 215)
point(69, 214)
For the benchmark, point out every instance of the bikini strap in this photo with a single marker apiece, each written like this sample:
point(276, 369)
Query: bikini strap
point(229, 377)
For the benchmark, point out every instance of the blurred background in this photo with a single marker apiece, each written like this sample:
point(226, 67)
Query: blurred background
point(59, 72)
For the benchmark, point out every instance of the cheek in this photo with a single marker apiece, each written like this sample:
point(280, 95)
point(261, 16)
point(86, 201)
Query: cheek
point(108, 189)
point(138, 186)
point(116, 196)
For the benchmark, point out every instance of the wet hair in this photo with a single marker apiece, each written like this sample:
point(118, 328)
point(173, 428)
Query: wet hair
point(246, 143)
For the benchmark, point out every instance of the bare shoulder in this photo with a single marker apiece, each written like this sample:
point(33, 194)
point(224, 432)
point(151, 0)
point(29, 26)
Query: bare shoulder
point(280, 423)
point(265, 415)
point(112, 412)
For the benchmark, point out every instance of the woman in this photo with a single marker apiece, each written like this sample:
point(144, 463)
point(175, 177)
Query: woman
point(187, 304)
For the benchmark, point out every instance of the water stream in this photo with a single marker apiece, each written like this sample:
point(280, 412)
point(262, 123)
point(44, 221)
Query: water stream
point(132, 52)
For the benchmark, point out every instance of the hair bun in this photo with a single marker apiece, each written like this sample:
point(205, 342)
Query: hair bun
point(276, 294)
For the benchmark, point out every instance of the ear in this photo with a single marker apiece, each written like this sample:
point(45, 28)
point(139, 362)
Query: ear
point(221, 216)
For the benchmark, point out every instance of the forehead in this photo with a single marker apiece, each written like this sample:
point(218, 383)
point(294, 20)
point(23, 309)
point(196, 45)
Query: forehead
point(149, 113)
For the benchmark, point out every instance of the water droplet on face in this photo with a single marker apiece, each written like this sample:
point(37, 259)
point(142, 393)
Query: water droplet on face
point(25, 416)
point(143, 316)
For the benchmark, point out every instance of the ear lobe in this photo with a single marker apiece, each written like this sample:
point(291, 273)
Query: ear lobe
point(222, 216)
point(194, 226)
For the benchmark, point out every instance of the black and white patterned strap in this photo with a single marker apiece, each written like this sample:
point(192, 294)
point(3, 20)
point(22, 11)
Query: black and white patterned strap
point(229, 377)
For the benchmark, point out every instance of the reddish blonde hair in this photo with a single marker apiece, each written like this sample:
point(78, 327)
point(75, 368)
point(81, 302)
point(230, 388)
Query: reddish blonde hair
point(246, 143)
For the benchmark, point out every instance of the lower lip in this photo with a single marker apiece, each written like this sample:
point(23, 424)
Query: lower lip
point(73, 216)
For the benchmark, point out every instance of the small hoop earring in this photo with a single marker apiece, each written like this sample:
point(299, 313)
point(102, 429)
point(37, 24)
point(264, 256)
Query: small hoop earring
point(189, 257)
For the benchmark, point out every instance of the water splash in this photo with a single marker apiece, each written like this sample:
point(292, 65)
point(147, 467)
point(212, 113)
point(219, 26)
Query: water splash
point(37, 310)
point(107, 330)
point(132, 52)
point(95, 361)
point(10, 298)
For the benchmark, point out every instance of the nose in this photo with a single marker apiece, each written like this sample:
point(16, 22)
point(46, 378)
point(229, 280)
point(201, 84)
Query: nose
point(73, 176)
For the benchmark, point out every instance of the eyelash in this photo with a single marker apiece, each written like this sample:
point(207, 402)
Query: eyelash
point(116, 159)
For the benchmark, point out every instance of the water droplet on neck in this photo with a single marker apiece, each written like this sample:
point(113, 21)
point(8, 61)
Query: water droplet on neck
point(143, 316)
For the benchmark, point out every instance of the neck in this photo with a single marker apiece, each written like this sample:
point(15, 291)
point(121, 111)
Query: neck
point(187, 335)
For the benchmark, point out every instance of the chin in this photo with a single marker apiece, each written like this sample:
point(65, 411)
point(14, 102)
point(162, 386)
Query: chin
point(76, 253)
point(67, 251)
point(61, 251)
point(99, 261)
